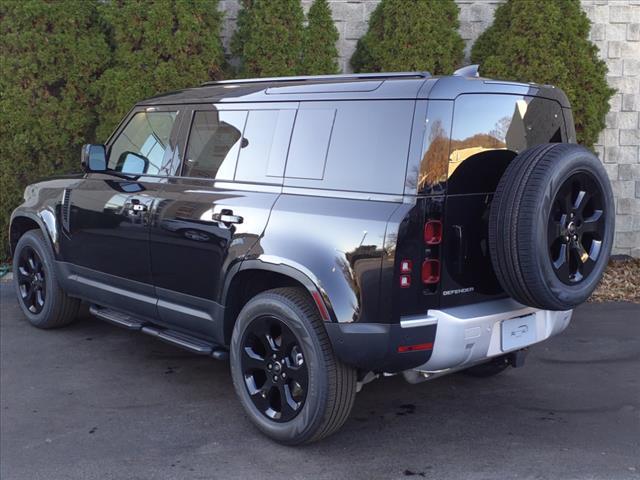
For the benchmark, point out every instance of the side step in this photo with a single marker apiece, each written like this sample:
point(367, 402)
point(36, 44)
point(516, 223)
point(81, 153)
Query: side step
point(183, 340)
point(117, 318)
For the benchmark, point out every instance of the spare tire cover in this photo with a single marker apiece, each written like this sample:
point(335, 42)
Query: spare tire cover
point(551, 226)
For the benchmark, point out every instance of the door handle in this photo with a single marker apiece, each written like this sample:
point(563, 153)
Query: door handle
point(227, 216)
point(136, 206)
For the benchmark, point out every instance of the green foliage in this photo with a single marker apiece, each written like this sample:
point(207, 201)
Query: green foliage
point(411, 35)
point(269, 38)
point(157, 46)
point(319, 52)
point(50, 55)
point(547, 42)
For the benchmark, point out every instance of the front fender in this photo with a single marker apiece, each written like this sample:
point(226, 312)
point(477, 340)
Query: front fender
point(46, 221)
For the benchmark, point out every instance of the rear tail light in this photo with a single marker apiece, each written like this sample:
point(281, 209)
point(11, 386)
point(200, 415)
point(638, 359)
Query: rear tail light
point(405, 281)
point(433, 232)
point(430, 272)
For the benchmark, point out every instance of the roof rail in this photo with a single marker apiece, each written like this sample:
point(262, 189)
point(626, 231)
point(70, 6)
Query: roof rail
point(347, 76)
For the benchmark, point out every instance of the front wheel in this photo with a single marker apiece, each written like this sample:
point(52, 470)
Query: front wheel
point(284, 370)
point(40, 296)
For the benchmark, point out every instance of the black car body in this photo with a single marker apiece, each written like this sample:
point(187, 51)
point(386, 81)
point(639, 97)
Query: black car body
point(371, 193)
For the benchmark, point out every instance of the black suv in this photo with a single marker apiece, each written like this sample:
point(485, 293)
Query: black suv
point(324, 231)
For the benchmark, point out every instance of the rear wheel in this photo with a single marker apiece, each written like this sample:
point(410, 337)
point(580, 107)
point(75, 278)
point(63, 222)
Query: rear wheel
point(40, 297)
point(284, 370)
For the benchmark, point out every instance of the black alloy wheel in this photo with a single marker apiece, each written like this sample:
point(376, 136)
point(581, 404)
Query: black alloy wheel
point(274, 369)
point(576, 228)
point(32, 285)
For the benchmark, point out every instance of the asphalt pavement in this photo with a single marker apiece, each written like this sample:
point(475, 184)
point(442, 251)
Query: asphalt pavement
point(92, 401)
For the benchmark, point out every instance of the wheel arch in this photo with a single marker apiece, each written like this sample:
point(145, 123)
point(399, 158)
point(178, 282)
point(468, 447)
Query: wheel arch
point(252, 277)
point(22, 222)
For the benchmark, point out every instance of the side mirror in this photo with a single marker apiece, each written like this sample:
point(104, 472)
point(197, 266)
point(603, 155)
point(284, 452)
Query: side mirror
point(93, 158)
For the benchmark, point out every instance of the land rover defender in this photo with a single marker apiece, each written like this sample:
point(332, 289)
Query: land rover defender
point(323, 231)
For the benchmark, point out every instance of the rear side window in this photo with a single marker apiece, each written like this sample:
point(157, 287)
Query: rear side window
point(214, 144)
point(265, 142)
point(143, 146)
point(353, 146)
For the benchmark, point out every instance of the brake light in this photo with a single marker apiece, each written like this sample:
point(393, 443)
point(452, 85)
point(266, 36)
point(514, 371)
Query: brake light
point(430, 272)
point(433, 232)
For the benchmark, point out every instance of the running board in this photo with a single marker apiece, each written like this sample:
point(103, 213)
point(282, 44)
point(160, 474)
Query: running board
point(117, 318)
point(179, 339)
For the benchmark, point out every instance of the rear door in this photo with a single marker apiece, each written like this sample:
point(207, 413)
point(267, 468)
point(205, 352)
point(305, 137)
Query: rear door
point(488, 131)
point(214, 211)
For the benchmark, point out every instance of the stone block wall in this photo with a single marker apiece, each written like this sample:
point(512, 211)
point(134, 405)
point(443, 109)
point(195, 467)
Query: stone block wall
point(616, 32)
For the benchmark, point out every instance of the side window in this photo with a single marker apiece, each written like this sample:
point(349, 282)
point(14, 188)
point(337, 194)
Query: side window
point(353, 146)
point(264, 146)
point(310, 143)
point(143, 146)
point(214, 143)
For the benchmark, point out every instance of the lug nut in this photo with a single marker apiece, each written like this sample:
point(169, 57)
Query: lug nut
point(273, 356)
point(575, 237)
point(284, 375)
point(269, 366)
point(275, 378)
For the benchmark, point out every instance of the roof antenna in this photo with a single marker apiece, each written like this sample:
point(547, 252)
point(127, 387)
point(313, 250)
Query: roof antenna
point(468, 71)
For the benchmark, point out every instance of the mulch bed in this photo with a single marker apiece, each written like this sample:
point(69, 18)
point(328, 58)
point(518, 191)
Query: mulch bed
point(621, 282)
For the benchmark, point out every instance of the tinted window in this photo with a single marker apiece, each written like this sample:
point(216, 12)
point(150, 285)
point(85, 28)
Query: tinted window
point(264, 146)
point(310, 143)
point(489, 130)
point(143, 146)
point(368, 144)
point(504, 121)
point(214, 143)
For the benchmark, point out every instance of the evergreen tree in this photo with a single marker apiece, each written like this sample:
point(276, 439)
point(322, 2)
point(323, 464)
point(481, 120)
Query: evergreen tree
point(159, 46)
point(50, 55)
point(547, 42)
point(411, 35)
point(268, 41)
point(319, 54)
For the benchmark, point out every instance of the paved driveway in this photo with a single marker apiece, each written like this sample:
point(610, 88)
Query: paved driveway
point(96, 402)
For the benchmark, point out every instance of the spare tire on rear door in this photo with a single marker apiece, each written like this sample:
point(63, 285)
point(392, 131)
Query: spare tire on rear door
point(551, 226)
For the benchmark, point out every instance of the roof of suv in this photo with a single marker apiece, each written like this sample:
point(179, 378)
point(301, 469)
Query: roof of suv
point(369, 86)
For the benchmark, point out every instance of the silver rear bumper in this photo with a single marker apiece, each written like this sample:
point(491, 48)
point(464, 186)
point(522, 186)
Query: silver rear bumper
point(471, 334)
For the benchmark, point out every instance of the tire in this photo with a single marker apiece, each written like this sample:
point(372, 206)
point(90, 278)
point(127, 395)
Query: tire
point(489, 369)
point(551, 226)
point(330, 387)
point(51, 308)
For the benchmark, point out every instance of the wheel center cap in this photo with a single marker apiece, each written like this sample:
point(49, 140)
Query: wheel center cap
point(571, 228)
point(277, 367)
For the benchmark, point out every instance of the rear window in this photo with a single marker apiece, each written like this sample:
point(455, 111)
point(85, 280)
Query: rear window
point(353, 146)
point(489, 130)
